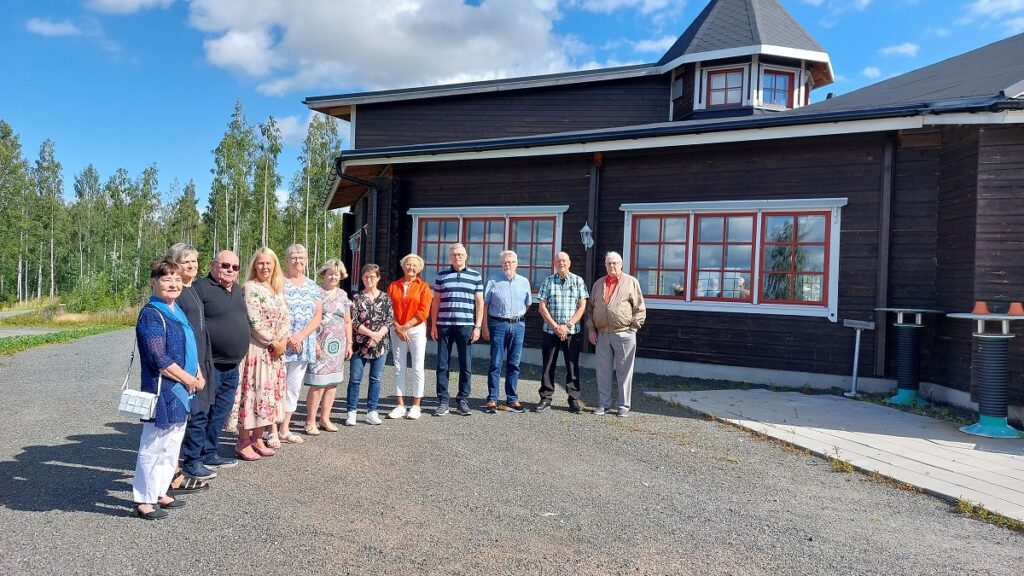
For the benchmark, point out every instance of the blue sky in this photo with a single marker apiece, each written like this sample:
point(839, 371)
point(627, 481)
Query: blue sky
point(126, 83)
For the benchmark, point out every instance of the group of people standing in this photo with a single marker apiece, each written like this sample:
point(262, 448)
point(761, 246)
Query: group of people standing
point(226, 356)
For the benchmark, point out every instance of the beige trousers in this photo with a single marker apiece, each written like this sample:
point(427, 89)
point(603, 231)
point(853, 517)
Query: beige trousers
point(616, 352)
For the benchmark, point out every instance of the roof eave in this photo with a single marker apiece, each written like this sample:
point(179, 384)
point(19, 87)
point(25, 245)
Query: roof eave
point(766, 49)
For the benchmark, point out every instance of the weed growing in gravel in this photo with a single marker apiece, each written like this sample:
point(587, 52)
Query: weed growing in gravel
point(839, 464)
point(881, 479)
point(978, 512)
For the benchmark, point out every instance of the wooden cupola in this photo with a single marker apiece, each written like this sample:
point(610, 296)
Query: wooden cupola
point(742, 57)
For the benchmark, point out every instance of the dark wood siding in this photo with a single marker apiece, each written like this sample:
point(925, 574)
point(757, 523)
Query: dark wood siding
point(683, 106)
point(514, 113)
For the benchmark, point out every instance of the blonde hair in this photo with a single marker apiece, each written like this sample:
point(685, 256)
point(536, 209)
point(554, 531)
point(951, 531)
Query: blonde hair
point(333, 265)
point(289, 251)
point(276, 277)
point(415, 257)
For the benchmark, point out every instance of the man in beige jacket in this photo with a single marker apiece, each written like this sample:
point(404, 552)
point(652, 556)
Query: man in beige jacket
point(616, 312)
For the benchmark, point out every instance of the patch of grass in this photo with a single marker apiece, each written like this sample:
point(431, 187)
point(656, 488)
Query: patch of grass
point(45, 318)
point(840, 464)
point(954, 414)
point(881, 479)
point(977, 511)
point(13, 344)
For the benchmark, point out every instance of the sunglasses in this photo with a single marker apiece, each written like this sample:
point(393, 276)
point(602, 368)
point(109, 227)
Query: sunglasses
point(233, 267)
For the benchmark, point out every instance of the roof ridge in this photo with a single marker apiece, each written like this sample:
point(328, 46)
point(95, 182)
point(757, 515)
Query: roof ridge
point(754, 17)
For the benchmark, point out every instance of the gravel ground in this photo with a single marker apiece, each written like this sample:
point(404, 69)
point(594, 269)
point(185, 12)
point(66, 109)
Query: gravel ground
point(663, 492)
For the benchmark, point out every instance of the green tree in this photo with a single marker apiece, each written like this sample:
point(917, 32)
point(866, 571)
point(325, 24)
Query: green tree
point(231, 191)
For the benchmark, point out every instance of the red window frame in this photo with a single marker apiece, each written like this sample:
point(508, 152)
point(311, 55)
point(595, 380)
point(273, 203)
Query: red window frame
point(725, 243)
point(793, 272)
point(726, 72)
point(789, 92)
point(435, 246)
point(527, 267)
point(480, 246)
point(659, 269)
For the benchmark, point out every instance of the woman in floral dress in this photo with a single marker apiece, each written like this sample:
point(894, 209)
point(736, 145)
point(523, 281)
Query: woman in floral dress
point(305, 310)
point(372, 316)
point(333, 348)
point(259, 402)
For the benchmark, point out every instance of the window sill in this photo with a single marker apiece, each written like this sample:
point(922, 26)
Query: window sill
point(816, 311)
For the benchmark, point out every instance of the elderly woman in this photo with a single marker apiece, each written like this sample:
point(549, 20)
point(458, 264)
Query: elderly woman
point(305, 310)
point(258, 402)
point(195, 471)
point(170, 368)
point(410, 298)
point(333, 348)
point(372, 316)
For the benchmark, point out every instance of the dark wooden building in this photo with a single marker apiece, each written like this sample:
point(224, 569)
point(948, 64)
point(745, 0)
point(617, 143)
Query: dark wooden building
point(754, 220)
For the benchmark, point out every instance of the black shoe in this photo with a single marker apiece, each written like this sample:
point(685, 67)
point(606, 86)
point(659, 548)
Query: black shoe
point(216, 461)
point(441, 409)
point(199, 471)
point(516, 407)
point(464, 408)
point(545, 403)
point(574, 406)
point(173, 504)
point(156, 514)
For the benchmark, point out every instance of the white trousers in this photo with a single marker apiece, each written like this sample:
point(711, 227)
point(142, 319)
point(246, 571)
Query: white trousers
point(295, 373)
point(416, 348)
point(615, 352)
point(158, 457)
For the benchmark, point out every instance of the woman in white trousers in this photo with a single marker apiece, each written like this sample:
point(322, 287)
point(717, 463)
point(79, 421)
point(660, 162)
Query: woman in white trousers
point(411, 298)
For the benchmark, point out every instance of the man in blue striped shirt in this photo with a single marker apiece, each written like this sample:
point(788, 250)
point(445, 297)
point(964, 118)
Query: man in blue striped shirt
point(457, 309)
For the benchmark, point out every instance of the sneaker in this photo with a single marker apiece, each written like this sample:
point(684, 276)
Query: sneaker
point(216, 461)
point(414, 413)
point(544, 404)
point(623, 412)
point(398, 412)
point(351, 419)
point(199, 471)
point(600, 411)
point(491, 407)
point(441, 409)
point(464, 408)
point(574, 406)
point(372, 418)
point(516, 407)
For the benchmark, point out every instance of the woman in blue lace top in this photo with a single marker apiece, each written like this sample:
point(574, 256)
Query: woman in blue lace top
point(170, 368)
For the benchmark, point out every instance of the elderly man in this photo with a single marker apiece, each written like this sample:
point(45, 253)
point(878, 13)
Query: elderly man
point(457, 310)
point(563, 300)
point(617, 312)
point(506, 300)
point(227, 321)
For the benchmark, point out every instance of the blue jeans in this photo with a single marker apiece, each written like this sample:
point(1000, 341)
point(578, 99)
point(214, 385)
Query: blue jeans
point(225, 378)
point(356, 377)
point(448, 335)
point(506, 348)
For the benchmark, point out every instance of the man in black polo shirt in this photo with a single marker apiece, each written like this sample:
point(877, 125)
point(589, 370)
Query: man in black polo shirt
point(227, 321)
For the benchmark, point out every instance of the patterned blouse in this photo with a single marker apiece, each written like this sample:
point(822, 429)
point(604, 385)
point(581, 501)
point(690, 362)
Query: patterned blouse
point(374, 313)
point(302, 302)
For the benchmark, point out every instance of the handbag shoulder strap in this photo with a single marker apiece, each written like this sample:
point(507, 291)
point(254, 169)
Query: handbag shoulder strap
point(159, 376)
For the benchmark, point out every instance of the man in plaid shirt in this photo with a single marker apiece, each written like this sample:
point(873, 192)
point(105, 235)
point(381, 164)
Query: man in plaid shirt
point(563, 300)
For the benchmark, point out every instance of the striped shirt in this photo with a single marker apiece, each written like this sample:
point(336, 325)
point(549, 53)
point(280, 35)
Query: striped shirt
point(456, 293)
point(562, 297)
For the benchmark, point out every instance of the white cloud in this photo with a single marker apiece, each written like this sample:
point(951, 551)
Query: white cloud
point(293, 128)
point(609, 6)
point(126, 6)
point(995, 8)
point(904, 49)
point(248, 51)
point(1015, 25)
point(871, 72)
point(940, 32)
point(658, 46)
point(282, 197)
point(44, 27)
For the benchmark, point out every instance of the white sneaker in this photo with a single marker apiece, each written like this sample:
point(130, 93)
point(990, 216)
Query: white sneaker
point(398, 412)
point(414, 413)
point(372, 418)
point(599, 411)
point(351, 419)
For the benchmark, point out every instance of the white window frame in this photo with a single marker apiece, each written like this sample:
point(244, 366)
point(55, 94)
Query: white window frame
point(759, 207)
point(745, 89)
point(461, 213)
point(794, 90)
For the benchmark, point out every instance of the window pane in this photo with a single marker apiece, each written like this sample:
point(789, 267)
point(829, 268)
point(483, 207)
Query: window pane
point(808, 288)
point(776, 287)
point(647, 256)
point(475, 231)
point(475, 258)
point(544, 231)
point(735, 79)
point(673, 284)
point(710, 257)
point(430, 230)
point(673, 256)
point(736, 285)
point(496, 231)
point(717, 81)
point(429, 275)
point(494, 253)
point(648, 280)
point(674, 230)
point(647, 230)
point(717, 98)
point(738, 257)
point(541, 256)
point(734, 95)
point(539, 274)
point(811, 228)
point(522, 231)
point(778, 258)
point(450, 231)
point(779, 229)
point(810, 258)
point(741, 229)
point(711, 229)
point(709, 284)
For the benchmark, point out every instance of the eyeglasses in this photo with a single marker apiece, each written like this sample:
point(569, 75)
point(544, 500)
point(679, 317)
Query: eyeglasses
point(225, 266)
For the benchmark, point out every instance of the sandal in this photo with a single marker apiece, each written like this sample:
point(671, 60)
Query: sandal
point(292, 439)
point(328, 426)
point(272, 441)
point(189, 484)
point(312, 430)
point(155, 514)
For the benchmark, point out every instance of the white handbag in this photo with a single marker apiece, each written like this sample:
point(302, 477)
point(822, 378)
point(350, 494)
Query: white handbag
point(136, 404)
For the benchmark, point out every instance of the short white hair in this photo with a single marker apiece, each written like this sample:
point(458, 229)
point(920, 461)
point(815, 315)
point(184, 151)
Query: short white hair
point(506, 253)
point(612, 254)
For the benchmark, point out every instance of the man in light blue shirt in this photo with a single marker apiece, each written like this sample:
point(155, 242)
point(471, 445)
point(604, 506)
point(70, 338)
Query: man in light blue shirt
point(507, 297)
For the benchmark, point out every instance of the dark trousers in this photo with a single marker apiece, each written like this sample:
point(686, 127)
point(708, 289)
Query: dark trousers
point(570, 349)
point(202, 438)
point(458, 336)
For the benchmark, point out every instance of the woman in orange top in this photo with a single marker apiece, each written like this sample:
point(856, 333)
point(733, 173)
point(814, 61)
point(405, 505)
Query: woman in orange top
point(411, 298)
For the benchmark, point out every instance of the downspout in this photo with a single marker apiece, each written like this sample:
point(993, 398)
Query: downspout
point(884, 227)
point(371, 244)
point(592, 218)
